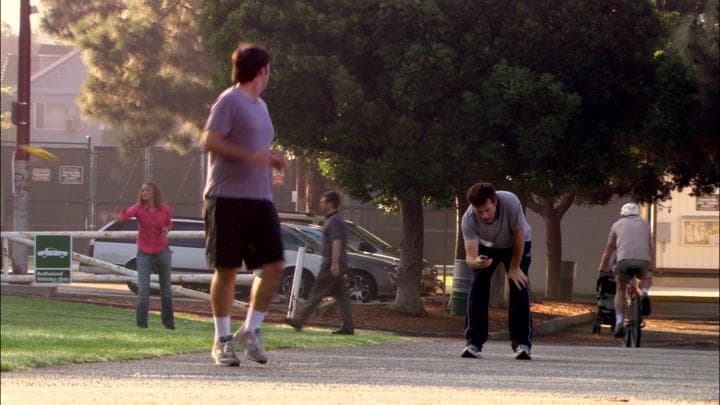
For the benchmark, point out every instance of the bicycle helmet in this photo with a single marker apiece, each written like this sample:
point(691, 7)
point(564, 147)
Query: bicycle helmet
point(629, 209)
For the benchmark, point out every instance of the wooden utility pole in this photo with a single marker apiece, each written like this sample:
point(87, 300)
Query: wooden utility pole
point(21, 170)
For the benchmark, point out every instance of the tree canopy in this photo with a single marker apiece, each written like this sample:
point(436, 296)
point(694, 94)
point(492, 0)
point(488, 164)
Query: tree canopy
point(148, 75)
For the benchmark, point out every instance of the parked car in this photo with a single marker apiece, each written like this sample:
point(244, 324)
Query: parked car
point(430, 282)
point(52, 252)
point(372, 277)
point(188, 256)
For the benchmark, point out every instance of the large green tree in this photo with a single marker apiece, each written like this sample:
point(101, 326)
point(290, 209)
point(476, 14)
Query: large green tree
point(149, 77)
point(369, 86)
point(414, 101)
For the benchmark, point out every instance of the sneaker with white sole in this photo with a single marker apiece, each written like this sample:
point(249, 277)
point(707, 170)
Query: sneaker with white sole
point(471, 352)
point(223, 352)
point(522, 352)
point(251, 342)
point(619, 330)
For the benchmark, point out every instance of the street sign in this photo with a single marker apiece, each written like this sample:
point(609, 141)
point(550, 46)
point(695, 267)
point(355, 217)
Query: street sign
point(53, 258)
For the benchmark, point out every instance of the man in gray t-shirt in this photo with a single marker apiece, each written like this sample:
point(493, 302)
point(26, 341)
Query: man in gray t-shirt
point(331, 280)
point(241, 222)
point(630, 239)
point(495, 230)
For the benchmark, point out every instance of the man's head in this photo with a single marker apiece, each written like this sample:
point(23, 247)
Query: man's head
point(629, 209)
point(248, 62)
point(330, 201)
point(483, 200)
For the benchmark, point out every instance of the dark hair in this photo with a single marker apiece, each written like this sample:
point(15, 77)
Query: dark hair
point(481, 192)
point(247, 61)
point(332, 197)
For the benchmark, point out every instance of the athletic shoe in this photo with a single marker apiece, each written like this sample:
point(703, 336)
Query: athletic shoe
point(471, 352)
point(619, 330)
point(223, 351)
point(343, 331)
point(294, 323)
point(251, 341)
point(523, 352)
point(645, 305)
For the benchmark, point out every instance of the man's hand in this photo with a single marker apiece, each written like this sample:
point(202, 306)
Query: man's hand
point(482, 262)
point(335, 269)
point(518, 277)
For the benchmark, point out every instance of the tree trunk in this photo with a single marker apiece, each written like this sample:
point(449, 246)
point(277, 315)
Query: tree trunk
point(407, 298)
point(552, 214)
point(300, 185)
point(553, 235)
point(461, 205)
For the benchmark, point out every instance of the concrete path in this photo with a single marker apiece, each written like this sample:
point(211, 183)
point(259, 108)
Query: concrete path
point(428, 372)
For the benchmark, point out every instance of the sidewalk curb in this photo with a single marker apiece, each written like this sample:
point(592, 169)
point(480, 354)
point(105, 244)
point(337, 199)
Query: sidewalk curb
point(549, 327)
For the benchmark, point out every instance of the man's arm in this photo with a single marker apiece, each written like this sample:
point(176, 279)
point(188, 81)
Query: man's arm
point(515, 273)
point(471, 256)
point(335, 257)
point(216, 143)
point(605, 260)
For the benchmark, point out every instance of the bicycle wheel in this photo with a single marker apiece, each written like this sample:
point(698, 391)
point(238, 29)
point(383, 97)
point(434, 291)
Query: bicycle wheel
point(634, 327)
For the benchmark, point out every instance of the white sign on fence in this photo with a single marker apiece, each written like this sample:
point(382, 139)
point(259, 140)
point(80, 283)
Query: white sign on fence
point(71, 175)
point(40, 174)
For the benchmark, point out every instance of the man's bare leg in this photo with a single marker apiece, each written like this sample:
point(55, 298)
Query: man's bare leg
point(619, 309)
point(261, 295)
point(222, 293)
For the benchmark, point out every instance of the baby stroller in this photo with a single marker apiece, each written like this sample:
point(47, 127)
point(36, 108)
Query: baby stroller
point(605, 288)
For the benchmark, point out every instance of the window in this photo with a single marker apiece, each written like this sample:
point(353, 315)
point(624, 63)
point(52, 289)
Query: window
point(700, 231)
point(180, 225)
point(51, 116)
point(290, 242)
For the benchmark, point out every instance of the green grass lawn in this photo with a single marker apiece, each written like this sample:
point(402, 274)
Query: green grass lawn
point(37, 332)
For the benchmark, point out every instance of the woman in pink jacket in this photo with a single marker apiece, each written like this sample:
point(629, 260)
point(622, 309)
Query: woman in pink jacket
point(154, 221)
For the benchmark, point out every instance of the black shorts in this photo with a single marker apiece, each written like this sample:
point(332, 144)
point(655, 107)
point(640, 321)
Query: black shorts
point(238, 230)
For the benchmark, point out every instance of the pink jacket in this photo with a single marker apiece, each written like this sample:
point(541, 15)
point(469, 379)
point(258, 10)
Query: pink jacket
point(151, 239)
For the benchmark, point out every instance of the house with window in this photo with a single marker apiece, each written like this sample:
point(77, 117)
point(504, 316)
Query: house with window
point(55, 87)
point(57, 76)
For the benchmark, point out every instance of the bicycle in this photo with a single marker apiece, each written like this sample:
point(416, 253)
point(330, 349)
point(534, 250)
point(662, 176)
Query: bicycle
point(633, 309)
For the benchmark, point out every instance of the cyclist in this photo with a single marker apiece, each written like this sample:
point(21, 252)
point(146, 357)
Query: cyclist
point(630, 238)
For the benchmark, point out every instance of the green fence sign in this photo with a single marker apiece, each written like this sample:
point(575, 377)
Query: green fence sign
point(53, 258)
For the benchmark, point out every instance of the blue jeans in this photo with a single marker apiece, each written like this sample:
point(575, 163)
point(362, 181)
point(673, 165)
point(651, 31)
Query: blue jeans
point(519, 317)
point(146, 265)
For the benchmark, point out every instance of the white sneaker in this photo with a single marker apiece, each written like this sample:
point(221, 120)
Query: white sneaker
point(224, 354)
point(251, 341)
point(472, 352)
point(522, 352)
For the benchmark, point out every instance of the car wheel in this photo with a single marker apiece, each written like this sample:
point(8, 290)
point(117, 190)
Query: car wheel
point(363, 287)
point(287, 282)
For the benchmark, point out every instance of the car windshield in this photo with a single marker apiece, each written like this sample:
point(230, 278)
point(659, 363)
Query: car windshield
point(315, 233)
point(357, 234)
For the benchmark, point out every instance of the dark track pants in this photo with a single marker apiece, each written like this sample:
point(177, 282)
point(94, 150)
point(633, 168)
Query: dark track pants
point(519, 317)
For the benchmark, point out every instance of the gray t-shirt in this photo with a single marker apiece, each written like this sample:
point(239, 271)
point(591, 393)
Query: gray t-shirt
point(497, 234)
point(631, 235)
point(246, 123)
point(334, 229)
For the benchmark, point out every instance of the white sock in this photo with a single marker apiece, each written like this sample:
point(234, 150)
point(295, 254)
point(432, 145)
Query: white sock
point(222, 327)
point(253, 320)
point(645, 291)
point(619, 318)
